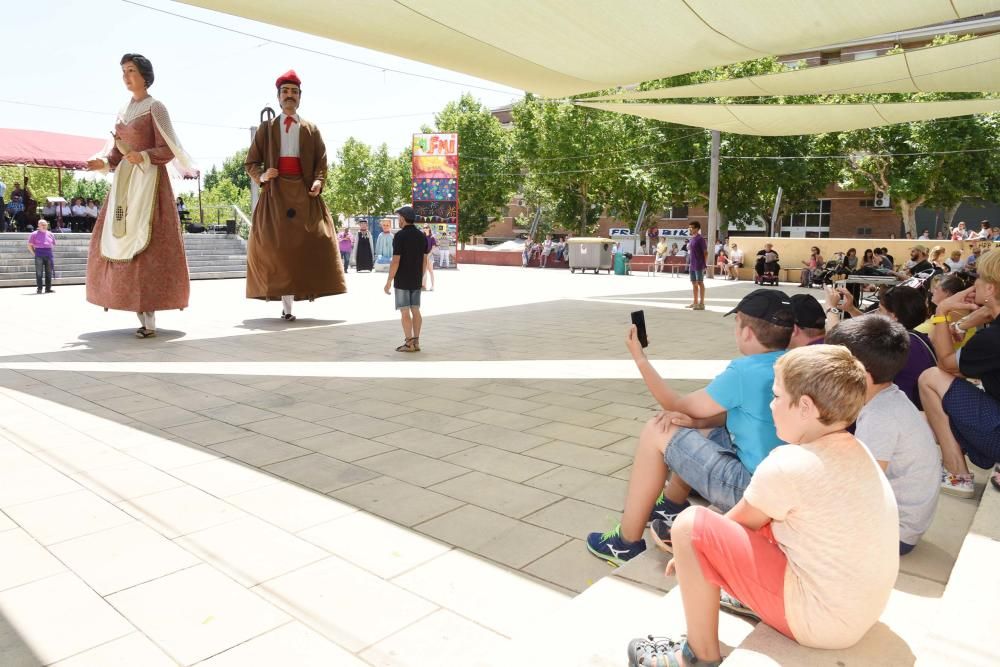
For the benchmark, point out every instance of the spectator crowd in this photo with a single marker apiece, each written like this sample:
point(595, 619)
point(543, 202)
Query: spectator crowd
point(825, 445)
point(22, 214)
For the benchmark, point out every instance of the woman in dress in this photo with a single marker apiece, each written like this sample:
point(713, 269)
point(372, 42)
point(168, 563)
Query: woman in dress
point(136, 260)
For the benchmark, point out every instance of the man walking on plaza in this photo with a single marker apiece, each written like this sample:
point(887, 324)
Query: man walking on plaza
point(41, 242)
point(698, 257)
point(292, 250)
point(409, 254)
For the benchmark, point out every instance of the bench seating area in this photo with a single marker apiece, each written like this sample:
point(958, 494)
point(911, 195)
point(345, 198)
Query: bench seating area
point(940, 612)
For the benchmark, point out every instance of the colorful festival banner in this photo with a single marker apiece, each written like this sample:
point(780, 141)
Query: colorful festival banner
point(435, 190)
point(437, 211)
point(435, 166)
point(435, 144)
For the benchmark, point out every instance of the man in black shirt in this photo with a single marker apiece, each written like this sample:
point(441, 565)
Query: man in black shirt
point(409, 249)
point(918, 263)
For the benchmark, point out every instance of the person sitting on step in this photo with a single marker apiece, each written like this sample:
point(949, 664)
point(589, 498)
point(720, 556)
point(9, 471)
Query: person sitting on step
point(710, 440)
point(812, 545)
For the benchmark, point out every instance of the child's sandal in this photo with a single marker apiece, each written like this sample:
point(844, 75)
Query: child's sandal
point(415, 343)
point(407, 346)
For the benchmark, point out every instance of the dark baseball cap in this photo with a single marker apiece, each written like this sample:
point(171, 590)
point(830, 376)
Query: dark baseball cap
point(408, 213)
point(809, 314)
point(770, 305)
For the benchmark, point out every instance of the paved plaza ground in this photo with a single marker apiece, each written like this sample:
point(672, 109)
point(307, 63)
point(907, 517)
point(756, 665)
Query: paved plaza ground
point(242, 490)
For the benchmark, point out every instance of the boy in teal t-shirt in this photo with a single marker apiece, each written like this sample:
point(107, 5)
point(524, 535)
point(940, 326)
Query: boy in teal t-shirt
point(710, 440)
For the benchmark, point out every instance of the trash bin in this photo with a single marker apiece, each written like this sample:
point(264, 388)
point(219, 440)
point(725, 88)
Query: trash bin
point(590, 254)
point(621, 264)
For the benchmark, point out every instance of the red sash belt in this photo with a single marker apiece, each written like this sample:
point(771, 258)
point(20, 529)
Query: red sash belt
point(289, 166)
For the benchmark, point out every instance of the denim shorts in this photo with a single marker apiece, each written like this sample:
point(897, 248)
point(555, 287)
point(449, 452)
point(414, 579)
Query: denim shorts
point(407, 298)
point(697, 276)
point(709, 465)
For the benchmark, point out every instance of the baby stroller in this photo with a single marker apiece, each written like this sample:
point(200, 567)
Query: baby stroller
point(825, 275)
point(766, 269)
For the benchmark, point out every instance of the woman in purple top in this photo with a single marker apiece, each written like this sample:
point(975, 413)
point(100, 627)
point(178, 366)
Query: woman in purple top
point(346, 246)
point(41, 242)
point(429, 261)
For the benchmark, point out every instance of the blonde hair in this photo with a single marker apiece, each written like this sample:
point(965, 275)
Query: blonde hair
point(936, 252)
point(988, 267)
point(828, 374)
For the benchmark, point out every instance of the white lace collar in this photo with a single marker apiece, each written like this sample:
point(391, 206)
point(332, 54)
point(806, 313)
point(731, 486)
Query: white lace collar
point(134, 109)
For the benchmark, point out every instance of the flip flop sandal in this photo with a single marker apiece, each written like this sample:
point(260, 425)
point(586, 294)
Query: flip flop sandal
point(145, 333)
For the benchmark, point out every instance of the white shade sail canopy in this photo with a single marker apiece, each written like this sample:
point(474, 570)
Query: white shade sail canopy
point(788, 119)
point(565, 47)
point(969, 66)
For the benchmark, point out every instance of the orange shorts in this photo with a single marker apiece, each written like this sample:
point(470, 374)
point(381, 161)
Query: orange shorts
point(748, 564)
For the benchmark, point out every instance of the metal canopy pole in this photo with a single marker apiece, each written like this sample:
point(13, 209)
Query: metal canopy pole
point(639, 219)
point(774, 214)
point(713, 191)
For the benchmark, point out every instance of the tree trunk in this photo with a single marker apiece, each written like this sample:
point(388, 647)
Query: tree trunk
point(908, 210)
point(950, 213)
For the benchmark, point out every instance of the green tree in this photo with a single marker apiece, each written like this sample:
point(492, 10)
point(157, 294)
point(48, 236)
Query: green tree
point(565, 149)
point(349, 185)
point(211, 177)
point(488, 174)
point(939, 178)
point(403, 167)
point(747, 187)
point(96, 189)
point(364, 182)
point(383, 184)
point(42, 181)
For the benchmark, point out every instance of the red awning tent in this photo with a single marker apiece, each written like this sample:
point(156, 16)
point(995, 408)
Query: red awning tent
point(55, 150)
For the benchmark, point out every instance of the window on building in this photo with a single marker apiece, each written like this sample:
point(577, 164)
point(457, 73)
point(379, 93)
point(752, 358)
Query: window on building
point(865, 55)
point(829, 58)
point(816, 218)
point(676, 212)
point(864, 232)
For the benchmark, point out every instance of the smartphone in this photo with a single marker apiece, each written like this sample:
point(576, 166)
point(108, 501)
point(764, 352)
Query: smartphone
point(639, 320)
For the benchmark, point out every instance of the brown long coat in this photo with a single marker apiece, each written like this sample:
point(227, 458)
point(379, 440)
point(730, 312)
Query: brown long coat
point(292, 247)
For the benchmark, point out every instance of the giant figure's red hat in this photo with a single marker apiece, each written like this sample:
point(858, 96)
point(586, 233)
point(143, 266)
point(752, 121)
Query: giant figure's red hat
point(288, 77)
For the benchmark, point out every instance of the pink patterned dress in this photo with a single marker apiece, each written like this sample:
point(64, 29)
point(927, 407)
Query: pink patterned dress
point(156, 277)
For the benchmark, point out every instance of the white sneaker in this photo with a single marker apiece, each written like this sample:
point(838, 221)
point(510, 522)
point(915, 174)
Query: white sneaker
point(959, 485)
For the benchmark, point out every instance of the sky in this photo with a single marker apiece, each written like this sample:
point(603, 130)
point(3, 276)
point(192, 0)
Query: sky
point(213, 82)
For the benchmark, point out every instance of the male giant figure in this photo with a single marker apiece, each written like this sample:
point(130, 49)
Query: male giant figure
point(292, 253)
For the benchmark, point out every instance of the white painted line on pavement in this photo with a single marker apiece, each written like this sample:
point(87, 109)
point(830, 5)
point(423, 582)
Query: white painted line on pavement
point(524, 369)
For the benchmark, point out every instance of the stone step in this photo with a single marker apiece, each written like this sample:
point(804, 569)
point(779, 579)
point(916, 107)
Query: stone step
point(931, 614)
point(26, 259)
point(63, 265)
point(900, 636)
point(80, 280)
point(594, 628)
point(637, 599)
point(208, 257)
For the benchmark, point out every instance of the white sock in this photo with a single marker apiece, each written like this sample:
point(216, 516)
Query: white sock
point(286, 303)
point(149, 320)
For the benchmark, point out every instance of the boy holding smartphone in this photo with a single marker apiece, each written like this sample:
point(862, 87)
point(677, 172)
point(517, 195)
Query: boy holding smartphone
point(710, 440)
